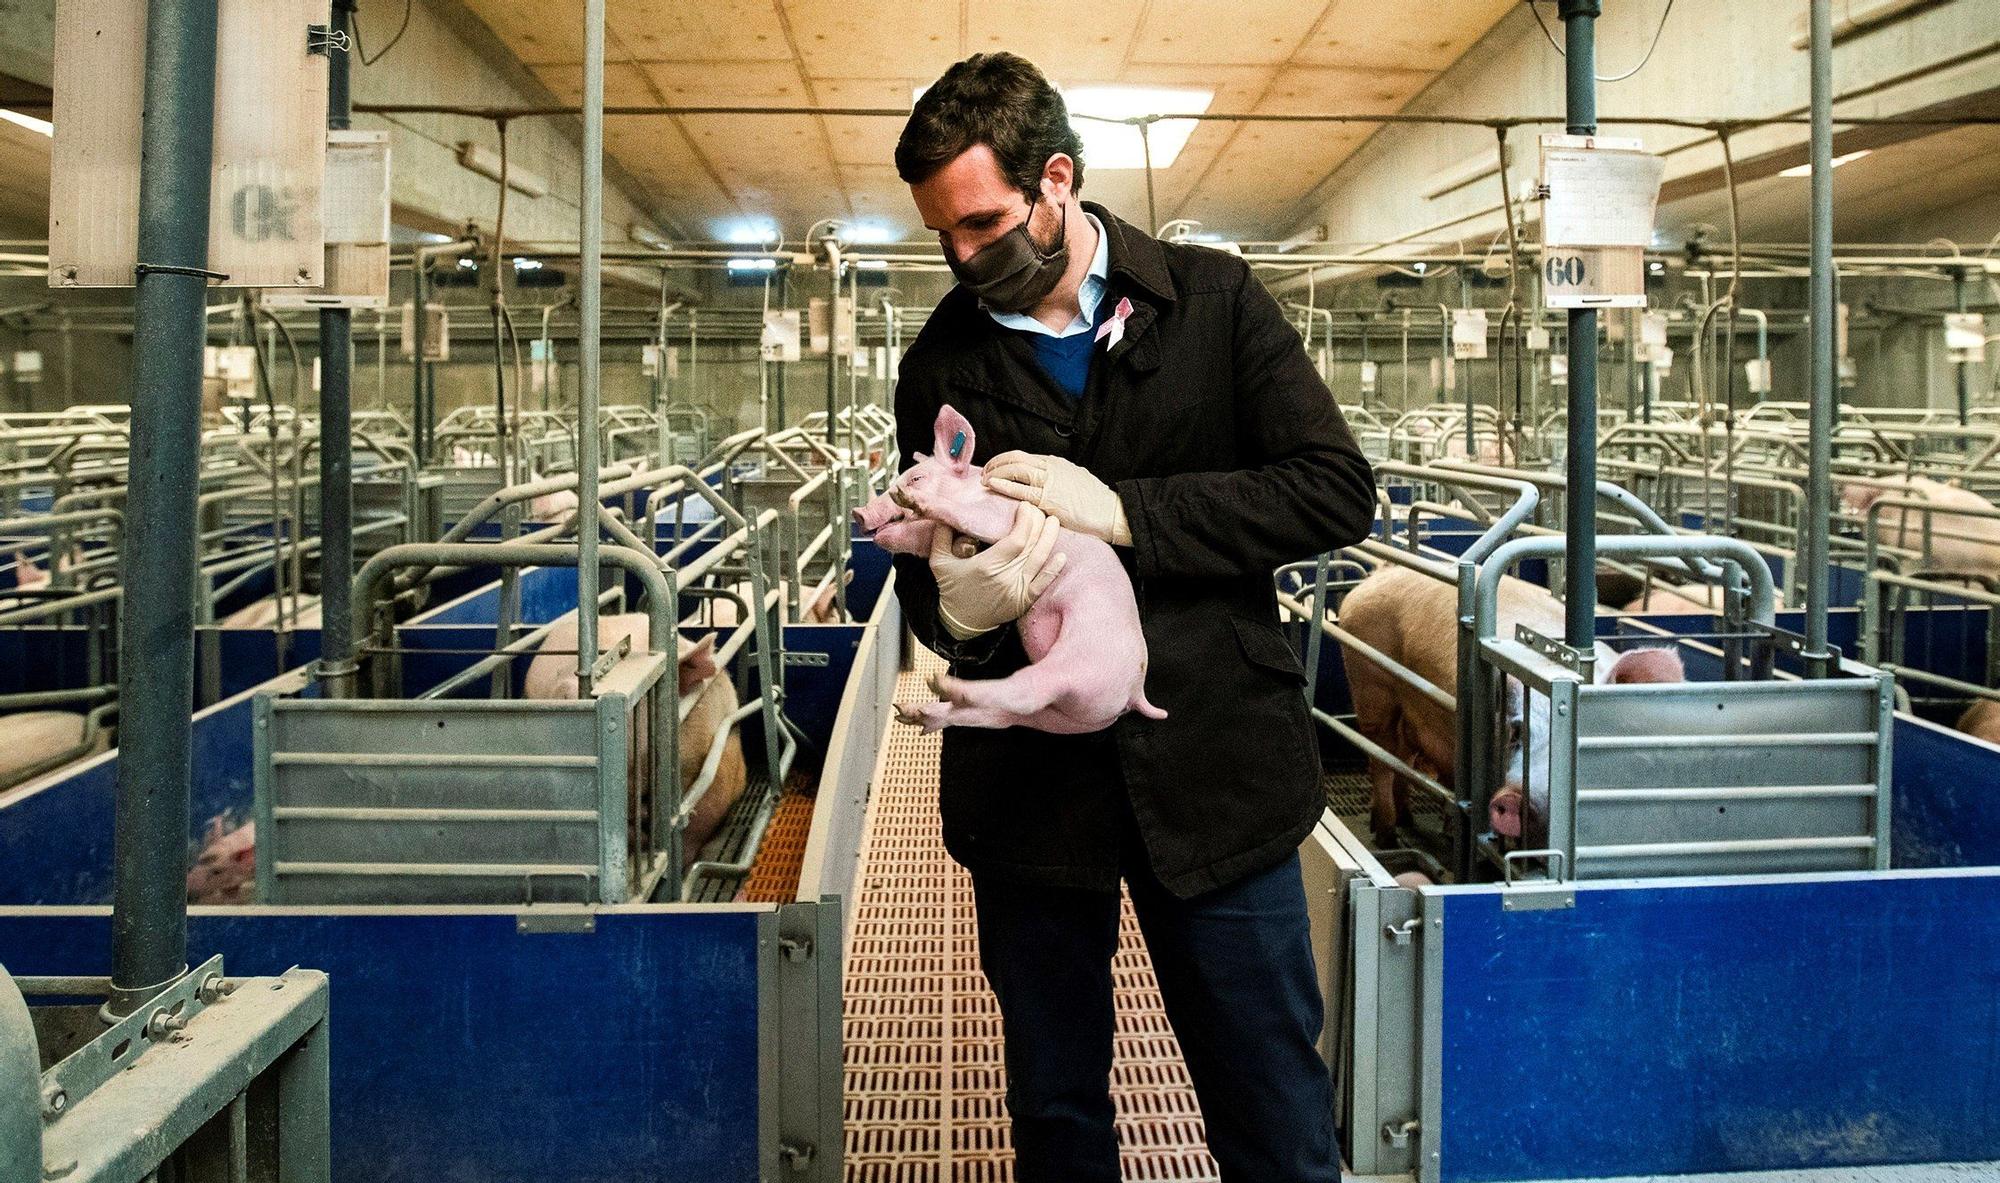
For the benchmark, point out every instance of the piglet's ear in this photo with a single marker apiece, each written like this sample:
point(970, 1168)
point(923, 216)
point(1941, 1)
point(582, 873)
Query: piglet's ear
point(697, 662)
point(952, 439)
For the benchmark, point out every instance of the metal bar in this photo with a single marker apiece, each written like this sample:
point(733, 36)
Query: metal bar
point(1819, 486)
point(1746, 793)
point(1803, 739)
point(1579, 19)
point(336, 813)
point(429, 760)
point(170, 324)
point(590, 291)
point(439, 870)
point(1741, 846)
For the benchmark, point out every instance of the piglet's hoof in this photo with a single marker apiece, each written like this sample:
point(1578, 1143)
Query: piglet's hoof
point(931, 716)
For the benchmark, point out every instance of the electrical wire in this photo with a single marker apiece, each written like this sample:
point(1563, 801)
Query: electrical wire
point(1534, 7)
point(401, 29)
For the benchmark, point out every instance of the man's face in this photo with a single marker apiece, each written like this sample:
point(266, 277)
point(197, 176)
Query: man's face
point(968, 203)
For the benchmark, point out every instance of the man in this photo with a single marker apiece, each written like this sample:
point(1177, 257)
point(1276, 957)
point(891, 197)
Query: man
point(1152, 395)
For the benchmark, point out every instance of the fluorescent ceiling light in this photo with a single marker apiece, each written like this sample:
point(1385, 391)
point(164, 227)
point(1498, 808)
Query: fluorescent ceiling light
point(752, 264)
point(870, 232)
point(1805, 170)
point(486, 162)
point(527, 264)
point(27, 121)
point(1118, 145)
point(873, 264)
point(750, 233)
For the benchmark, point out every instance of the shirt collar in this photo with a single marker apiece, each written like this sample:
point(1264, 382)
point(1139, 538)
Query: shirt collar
point(1090, 293)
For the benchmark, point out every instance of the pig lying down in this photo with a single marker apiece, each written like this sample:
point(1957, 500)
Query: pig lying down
point(1413, 619)
point(1082, 637)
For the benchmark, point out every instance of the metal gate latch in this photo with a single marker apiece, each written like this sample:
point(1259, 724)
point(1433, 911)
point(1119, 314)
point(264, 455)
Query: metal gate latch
point(795, 950)
point(797, 1155)
point(1402, 933)
point(1397, 1134)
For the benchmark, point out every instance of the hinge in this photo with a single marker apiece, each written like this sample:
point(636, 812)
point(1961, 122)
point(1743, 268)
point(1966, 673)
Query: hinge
point(567, 920)
point(1404, 933)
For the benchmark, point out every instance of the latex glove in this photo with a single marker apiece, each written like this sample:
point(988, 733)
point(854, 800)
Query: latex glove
point(997, 585)
point(1054, 485)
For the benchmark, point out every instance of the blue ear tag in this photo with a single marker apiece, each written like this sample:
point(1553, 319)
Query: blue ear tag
point(957, 445)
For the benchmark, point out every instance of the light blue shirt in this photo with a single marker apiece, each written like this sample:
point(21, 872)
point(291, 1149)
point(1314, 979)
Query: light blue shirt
point(1089, 294)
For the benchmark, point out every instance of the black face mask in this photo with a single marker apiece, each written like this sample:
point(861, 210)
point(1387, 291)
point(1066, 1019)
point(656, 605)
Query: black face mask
point(1010, 273)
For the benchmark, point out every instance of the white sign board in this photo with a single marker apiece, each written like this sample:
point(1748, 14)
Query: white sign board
point(1653, 330)
point(1965, 336)
point(1468, 333)
point(1593, 277)
point(781, 335)
point(1369, 372)
point(649, 360)
point(1558, 370)
point(1538, 340)
point(354, 209)
point(1599, 191)
point(269, 144)
point(28, 366)
point(1757, 375)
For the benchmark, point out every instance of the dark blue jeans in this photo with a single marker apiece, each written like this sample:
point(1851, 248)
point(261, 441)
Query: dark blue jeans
point(1236, 974)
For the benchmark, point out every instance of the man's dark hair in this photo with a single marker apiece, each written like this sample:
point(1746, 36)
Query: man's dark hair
point(997, 99)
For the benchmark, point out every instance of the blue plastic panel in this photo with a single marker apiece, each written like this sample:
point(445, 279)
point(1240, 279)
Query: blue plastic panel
point(1947, 798)
point(251, 656)
point(55, 842)
point(465, 1052)
point(1804, 1022)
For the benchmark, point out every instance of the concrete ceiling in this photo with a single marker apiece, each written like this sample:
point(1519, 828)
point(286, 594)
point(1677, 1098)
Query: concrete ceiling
point(1875, 198)
point(1360, 56)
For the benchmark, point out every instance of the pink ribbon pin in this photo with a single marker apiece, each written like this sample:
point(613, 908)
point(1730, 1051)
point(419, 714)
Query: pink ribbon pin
point(1115, 327)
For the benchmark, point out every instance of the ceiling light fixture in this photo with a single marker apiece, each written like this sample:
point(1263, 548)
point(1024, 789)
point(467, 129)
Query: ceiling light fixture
point(1805, 170)
point(1108, 146)
point(752, 264)
point(28, 121)
point(750, 233)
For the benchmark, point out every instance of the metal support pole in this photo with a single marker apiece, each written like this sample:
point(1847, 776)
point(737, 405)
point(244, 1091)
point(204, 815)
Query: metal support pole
point(1579, 19)
point(1819, 489)
point(156, 682)
point(336, 439)
point(831, 246)
point(420, 411)
point(591, 294)
point(1964, 378)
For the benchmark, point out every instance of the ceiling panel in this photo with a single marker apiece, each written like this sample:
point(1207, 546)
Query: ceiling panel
point(1049, 33)
point(874, 38)
point(1423, 35)
point(1201, 32)
point(729, 84)
point(711, 30)
point(1283, 56)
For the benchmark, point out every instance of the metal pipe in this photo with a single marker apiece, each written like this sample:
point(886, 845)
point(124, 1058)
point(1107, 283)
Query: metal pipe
point(1579, 19)
point(170, 325)
point(1819, 488)
point(336, 426)
point(590, 234)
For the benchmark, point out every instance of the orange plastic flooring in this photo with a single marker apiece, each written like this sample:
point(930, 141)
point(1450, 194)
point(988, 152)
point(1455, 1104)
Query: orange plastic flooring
point(923, 1074)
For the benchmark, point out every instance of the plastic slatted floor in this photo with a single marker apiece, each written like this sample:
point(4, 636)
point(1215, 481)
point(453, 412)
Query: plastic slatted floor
point(924, 1076)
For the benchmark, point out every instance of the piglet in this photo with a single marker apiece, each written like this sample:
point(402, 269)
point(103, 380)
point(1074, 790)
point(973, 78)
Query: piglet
point(225, 869)
point(1082, 636)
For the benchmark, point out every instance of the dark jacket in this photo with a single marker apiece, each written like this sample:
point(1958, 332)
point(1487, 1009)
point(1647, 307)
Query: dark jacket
point(1231, 459)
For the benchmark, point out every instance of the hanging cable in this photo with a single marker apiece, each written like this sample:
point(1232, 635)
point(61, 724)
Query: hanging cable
point(383, 52)
point(1534, 7)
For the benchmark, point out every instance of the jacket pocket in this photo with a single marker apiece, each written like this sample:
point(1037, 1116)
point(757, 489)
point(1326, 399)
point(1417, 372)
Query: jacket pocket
point(1266, 649)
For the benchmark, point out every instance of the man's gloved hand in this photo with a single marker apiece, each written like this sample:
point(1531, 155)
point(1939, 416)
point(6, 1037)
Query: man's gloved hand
point(1056, 486)
point(997, 585)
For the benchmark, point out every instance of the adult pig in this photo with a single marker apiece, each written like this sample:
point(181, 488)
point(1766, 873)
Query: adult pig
point(1958, 545)
point(1413, 620)
point(552, 674)
point(1087, 655)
